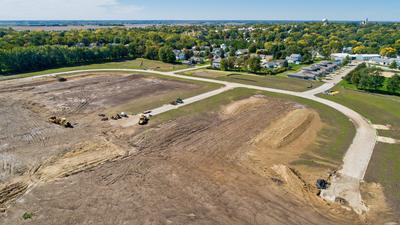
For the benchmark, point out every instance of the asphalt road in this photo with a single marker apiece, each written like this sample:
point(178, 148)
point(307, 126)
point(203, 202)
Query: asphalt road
point(355, 163)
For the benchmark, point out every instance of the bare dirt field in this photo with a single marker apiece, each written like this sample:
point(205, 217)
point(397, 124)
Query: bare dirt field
point(26, 136)
point(225, 166)
point(229, 164)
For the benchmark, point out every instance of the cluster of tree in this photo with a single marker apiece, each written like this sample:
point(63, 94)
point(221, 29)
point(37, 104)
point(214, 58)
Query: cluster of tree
point(370, 79)
point(18, 60)
point(279, 40)
point(249, 64)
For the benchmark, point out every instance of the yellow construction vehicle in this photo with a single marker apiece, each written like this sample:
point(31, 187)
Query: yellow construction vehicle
point(143, 120)
point(60, 121)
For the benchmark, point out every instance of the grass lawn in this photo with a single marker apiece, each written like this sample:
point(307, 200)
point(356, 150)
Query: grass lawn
point(384, 167)
point(258, 80)
point(326, 153)
point(129, 64)
point(294, 68)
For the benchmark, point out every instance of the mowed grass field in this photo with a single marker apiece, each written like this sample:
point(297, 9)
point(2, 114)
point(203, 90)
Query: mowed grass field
point(327, 153)
point(384, 167)
point(128, 64)
point(278, 82)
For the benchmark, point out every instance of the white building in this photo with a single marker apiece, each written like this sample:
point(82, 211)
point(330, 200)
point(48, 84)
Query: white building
point(359, 57)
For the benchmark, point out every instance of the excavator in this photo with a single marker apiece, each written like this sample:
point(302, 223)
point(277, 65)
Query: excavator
point(61, 121)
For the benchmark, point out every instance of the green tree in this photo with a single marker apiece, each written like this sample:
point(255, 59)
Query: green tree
point(228, 64)
point(151, 53)
point(254, 64)
point(393, 65)
point(393, 85)
point(346, 61)
point(376, 82)
point(166, 55)
point(253, 48)
point(307, 58)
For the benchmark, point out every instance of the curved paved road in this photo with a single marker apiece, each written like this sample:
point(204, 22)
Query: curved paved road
point(345, 183)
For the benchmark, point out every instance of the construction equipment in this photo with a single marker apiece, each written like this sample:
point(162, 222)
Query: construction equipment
point(322, 184)
point(116, 117)
point(61, 79)
point(143, 120)
point(60, 121)
point(178, 101)
point(122, 114)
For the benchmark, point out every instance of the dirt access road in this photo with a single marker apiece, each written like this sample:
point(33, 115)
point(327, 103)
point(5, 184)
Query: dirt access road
point(346, 183)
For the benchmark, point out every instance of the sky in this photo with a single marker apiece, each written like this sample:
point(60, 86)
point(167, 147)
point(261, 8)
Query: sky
point(382, 10)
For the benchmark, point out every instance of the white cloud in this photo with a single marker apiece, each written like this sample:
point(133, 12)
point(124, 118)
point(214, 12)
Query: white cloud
point(66, 9)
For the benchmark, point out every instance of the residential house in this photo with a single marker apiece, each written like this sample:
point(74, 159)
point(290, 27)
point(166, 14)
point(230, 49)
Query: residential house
point(273, 64)
point(196, 60)
point(241, 52)
point(294, 58)
point(216, 64)
point(224, 47)
point(80, 44)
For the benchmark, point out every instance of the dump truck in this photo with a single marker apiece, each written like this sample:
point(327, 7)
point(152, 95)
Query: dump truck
point(60, 121)
point(143, 120)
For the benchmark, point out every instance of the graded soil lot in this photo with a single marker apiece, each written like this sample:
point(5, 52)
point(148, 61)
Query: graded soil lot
point(27, 139)
point(228, 163)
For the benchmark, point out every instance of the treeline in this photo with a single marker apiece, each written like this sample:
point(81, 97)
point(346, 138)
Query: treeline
point(371, 79)
point(34, 58)
point(18, 60)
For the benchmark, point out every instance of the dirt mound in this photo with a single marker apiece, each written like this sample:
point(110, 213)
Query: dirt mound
point(86, 156)
point(11, 191)
point(287, 129)
point(242, 105)
point(293, 181)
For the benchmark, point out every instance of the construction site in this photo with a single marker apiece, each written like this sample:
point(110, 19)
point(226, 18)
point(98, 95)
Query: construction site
point(70, 154)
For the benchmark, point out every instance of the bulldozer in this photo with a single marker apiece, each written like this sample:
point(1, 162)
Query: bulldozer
point(143, 120)
point(61, 121)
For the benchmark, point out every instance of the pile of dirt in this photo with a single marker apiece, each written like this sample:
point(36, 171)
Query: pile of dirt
point(85, 156)
point(243, 105)
point(287, 130)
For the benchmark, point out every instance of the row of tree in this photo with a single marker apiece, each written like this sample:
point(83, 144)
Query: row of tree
point(371, 79)
point(18, 60)
point(34, 58)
